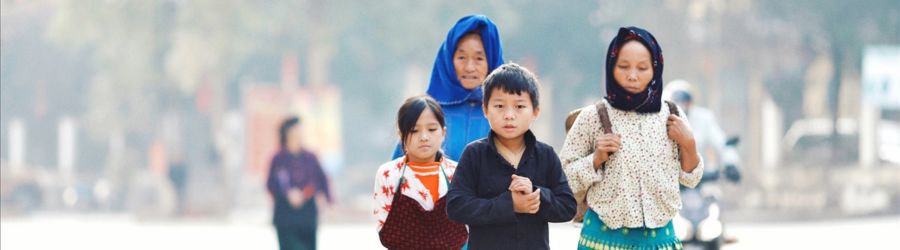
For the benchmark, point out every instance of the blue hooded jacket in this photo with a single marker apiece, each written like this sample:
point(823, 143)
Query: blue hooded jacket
point(462, 107)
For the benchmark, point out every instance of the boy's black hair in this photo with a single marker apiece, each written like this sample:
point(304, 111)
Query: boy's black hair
point(410, 111)
point(288, 123)
point(511, 78)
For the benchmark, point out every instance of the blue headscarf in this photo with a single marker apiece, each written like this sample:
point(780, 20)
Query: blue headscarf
point(648, 101)
point(445, 86)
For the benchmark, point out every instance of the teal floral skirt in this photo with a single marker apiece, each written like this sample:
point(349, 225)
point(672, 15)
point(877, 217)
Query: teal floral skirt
point(596, 235)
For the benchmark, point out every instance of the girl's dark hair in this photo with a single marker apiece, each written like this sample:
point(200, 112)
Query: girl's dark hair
point(285, 127)
point(410, 111)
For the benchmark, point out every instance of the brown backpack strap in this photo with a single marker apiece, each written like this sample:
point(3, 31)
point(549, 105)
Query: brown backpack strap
point(601, 113)
point(581, 197)
point(673, 109)
point(605, 124)
point(604, 117)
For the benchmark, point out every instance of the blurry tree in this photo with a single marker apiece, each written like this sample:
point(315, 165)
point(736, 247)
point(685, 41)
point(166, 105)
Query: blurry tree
point(124, 41)
point(144, 52)
point(845, 27)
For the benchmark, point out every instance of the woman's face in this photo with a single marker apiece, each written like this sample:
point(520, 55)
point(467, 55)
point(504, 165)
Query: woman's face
point(470, 61)
point(425, 139)
point(293, 138)
point(634, 67)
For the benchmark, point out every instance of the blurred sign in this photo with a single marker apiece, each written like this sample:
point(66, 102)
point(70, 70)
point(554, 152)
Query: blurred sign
point(318, 107)
point(67, 145)
point(16, 144)
point(265, 109)
point(157, 158)
point(881, 76)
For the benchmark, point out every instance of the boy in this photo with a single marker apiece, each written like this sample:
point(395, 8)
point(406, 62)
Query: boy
point(509, 185)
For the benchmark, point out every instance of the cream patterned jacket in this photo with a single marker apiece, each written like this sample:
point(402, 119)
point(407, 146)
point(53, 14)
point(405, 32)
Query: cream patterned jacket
point(639, 185)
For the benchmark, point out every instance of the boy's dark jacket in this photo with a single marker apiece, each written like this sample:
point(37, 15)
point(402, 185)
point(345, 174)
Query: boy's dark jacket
point(479, 195)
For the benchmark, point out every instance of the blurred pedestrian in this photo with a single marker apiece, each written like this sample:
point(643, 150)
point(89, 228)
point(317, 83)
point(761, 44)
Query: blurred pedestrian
point(711, 140)
point(295, 179)
point(178, 175)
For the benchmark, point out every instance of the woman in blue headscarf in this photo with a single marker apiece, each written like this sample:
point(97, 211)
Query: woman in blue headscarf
point(470, 51)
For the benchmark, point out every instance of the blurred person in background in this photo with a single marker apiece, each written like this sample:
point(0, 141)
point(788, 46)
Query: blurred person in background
point(711, 140)
point(709, 136)
point(295, 179)
point(470, 51)
point(178, 175)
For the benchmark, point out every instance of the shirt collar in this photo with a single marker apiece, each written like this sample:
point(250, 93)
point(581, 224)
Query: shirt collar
point(530, 141)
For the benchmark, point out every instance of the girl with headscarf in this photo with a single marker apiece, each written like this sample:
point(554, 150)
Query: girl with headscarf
point(631, 176)
point(470, 51)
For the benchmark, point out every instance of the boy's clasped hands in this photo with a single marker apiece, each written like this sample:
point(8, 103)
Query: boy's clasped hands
point(526, 199)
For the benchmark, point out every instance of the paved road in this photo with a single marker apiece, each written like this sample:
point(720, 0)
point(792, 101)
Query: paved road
point(123, 232)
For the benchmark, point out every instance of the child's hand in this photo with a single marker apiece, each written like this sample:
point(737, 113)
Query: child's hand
point(526, 203)
point(520, 184)
point(606, 145)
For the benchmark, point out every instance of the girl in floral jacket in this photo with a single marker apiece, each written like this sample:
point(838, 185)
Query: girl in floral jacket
point(409, 191)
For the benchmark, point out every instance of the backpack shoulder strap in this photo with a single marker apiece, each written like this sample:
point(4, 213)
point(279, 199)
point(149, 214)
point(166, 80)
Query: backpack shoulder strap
point(570, 119)
point(673, 109)
point(604, 117)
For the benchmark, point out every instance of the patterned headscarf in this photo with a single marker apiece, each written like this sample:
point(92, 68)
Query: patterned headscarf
point(648, 101)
